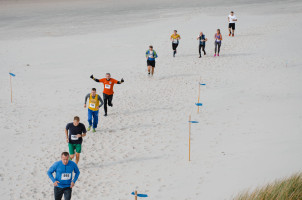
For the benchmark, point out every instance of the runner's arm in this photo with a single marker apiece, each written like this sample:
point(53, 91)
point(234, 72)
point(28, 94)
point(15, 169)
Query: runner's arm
point(96, 80)
point(155, 56)
point(51, 170)
point(84, 131)
point(120, 82)
point(66, 132)
point(77, 173)
point(87, 96)
point(101, 101)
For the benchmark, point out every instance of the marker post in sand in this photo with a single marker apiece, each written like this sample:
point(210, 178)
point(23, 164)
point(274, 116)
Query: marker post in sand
point(198, 103)
point(11, 87)
point(190, 122)
point(138, 195)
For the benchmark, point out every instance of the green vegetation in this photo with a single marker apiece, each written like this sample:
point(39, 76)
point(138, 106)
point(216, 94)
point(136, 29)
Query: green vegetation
point(283, 189)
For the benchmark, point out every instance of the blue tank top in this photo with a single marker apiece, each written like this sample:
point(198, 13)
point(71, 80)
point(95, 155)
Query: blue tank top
point(218, 37)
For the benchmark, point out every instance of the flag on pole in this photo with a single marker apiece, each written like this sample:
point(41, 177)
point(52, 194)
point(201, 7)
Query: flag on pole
point(11, 87)
point(140, 195)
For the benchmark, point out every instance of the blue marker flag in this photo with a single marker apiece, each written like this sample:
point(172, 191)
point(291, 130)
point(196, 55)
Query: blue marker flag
point(198, 104)
point(140, 195)
point(193, 122)
point(12, 74)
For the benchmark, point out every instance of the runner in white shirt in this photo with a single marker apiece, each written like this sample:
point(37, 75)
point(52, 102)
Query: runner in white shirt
point(232, 19)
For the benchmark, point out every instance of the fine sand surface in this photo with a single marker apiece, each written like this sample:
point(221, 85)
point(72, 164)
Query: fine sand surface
point(250, 125)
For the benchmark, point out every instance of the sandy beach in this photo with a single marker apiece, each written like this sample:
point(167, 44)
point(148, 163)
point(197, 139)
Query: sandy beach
point(249, 130)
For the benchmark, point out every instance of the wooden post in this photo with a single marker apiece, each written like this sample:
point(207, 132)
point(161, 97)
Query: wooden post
point(198, 94)
point(190, 138)
point(11, 89)
point(198, 97)
point(135, 195)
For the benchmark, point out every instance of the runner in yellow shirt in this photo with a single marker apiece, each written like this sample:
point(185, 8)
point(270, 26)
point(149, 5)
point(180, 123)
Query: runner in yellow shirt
point(175, 41)
point(94, 104)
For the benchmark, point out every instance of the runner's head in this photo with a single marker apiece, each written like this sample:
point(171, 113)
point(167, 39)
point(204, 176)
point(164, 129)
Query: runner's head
point(232, 13)
point(93, 91)
point(108, 76)
point(218, 31)
point(201, 33)
point(175, 32)
point(151, 48)
point(65, 158)
point(76, 120)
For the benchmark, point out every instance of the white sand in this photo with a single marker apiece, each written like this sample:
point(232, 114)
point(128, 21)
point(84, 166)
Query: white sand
point(250, 125)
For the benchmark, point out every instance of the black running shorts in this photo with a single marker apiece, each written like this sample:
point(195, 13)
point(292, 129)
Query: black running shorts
point(151, 63)
point(232, 26)
point(174, 46)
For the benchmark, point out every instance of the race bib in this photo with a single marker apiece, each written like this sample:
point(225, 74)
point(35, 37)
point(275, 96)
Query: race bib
point(107, 86)
point(74, 137)
point(92, 105)
point(175, 41)
point(66, 176)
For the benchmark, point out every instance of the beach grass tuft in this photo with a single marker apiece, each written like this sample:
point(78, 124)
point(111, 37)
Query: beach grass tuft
point(283, 189)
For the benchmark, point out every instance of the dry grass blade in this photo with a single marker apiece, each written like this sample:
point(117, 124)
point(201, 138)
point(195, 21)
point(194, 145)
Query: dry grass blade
point(283, 189)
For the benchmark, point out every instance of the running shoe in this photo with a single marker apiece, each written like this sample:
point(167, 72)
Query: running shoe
point(229, 34)
point(215, 55)
point(93, 130)
point(233, 35)
point(89, 127)
point(105, 114)
point(218, 54)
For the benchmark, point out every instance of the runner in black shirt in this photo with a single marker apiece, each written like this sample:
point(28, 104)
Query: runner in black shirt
point(74, 139)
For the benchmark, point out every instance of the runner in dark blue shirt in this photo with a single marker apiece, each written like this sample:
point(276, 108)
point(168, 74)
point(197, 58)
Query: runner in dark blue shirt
point(202, 43)
point(74, 139)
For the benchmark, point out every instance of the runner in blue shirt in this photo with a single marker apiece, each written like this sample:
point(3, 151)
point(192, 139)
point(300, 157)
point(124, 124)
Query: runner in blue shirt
point(150, 56)
point(63, 182)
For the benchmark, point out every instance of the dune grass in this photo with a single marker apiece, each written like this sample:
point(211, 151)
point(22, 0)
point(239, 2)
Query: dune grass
point(283, 189)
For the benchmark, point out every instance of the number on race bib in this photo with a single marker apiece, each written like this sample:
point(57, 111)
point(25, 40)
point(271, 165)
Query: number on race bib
point(66, 176)
point(74, 137)
point(92, 105)
point(107, 86)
